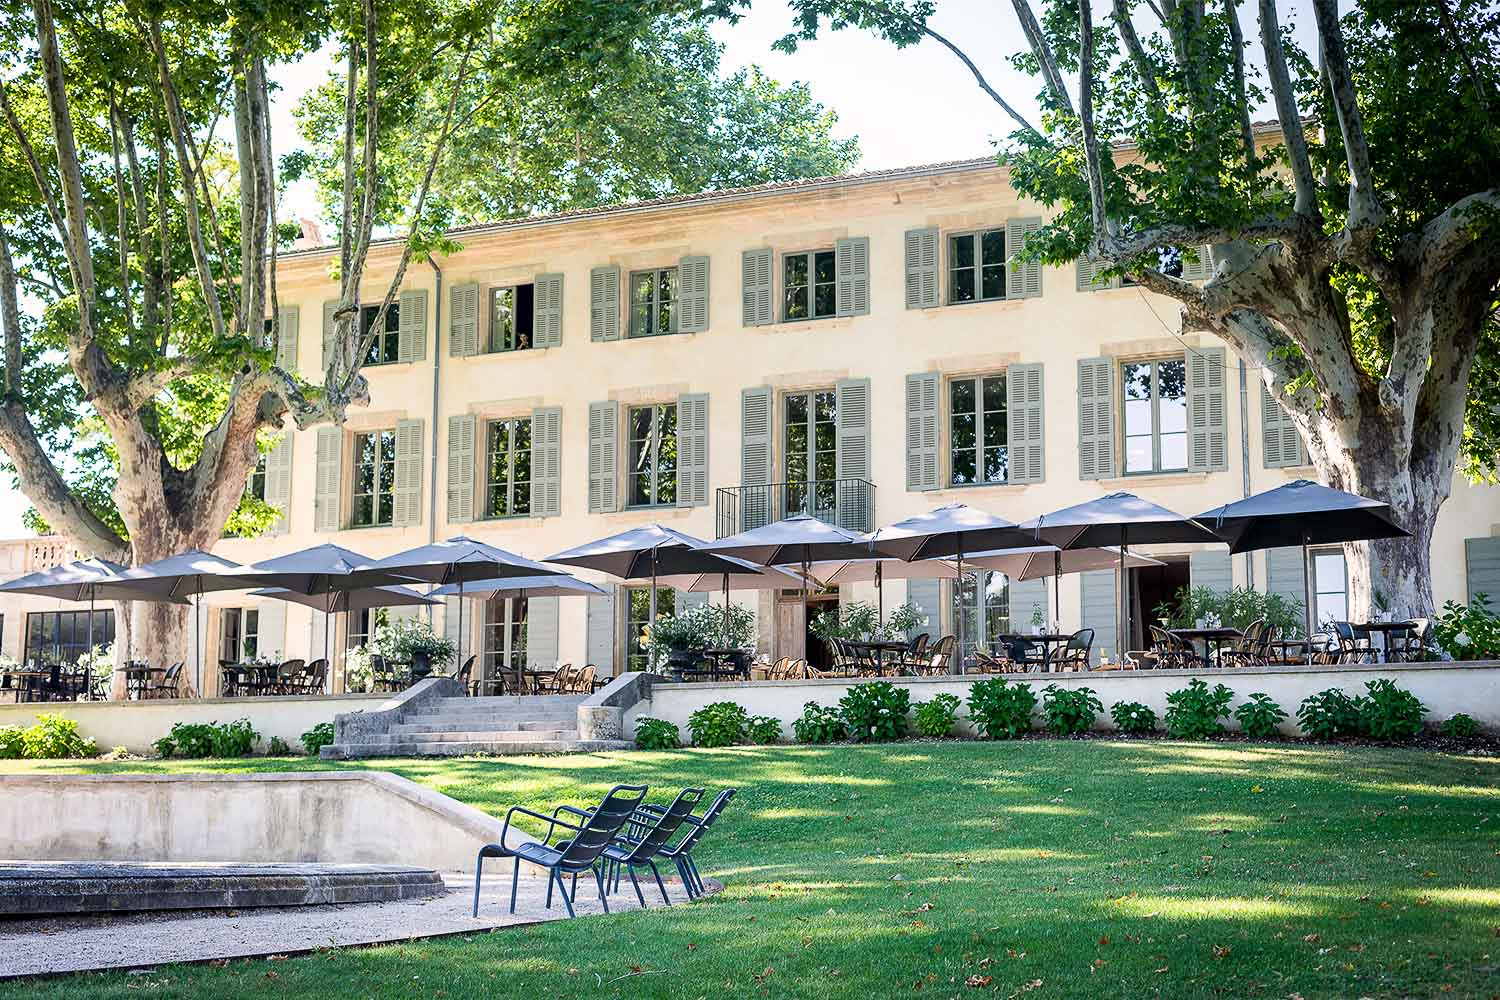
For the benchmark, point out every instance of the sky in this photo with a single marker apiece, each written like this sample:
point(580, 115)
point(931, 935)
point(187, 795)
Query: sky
point(912, 106)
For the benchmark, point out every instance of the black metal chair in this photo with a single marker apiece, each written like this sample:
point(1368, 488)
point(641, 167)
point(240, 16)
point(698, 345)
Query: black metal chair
point(167, 685)
point(1075, 653)
point(643, 839)
point(464, 675)
point(582, 852)
point(681, 854)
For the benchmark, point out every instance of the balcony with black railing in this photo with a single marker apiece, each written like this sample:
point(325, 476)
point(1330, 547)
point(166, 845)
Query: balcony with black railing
point(848, 503)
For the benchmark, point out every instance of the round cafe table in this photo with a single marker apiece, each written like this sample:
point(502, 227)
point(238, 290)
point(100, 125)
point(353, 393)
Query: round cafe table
point(1386, 630)
point(1047, 640)
point(1215, 637)
point(878, 650)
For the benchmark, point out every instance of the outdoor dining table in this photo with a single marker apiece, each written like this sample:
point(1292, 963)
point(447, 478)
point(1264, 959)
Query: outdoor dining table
point(1047, 640)
point(878, 651)
point(1386, 630)
point(1215, 637)
point(30, 681)
point(137, 679)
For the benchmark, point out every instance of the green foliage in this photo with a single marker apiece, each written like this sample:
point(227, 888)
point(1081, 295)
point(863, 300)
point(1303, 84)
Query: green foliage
point(53, 737)
point(763, 730)
point(720, 724)
point(1389, 712)
point(858, 621)
point(936, 718)
point(399, 639)
point(277, 747)
point(1001, 710)
point(703, 627)
point(1236, 608)
point(11, 745)
point(876, 712)
point(656, 734)
point(1133, 717)
point(1460, 726)
point(318, 737)
point(1468, 632)
point(1260, 717)
point(1193, 712)
point(208, 739)
point(1329, 715)
point(1069, 711)
point(904, 620)
point(818, 724)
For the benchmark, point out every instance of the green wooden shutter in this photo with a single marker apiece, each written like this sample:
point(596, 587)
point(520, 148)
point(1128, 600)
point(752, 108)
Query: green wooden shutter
point(852, 458)
point(450, 619)
point(1281, 442)
point(1023, 415)
point(463, 321)
point(692, 295)
point(329, 487)
point(546, 461)
point(604, 303)
point(279, 482)
point(1207, 447)
point(687, 600)
point(407, 494)
point(541, 633)
point(603, 440)
point(1087, 279)
point(270, 639)
point(692, 450)
point(1197, 264)
point(927, 595)
point(601, 632)
point(1096, 418)
point(1285, 575)
point(1025, 597)
point(329, 308)
point(1482, 569)
point(1024, 279)
point(755, 285)
point(1211, 568)
point(851, 265)
point(755, 457)
point(462, 429)
point(288, 323)
point(547, 311)
point(1101, 611)
point(922, 431)
point(922, 268)
point(411, 341)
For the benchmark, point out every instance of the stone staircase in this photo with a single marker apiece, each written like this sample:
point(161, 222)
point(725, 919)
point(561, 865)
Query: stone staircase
point(445, 727)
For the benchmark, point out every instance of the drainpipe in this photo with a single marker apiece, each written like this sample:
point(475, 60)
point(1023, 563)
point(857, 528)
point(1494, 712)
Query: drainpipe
point(1245, 461)
point(437, 361)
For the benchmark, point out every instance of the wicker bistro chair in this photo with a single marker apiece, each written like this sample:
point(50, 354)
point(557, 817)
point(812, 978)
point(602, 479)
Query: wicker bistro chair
point(314, 677)
point(987, 663)
point(1075, 652)
point(582, 681)
point(1353, 647)
point(1171, 652)
point(583, 851)
point(1413, 645)
point(289, 677)
point(939, 655)
point(464, 675)
point(1246, 652)
point(166, 686)
point(561, 680)
point(912, 658)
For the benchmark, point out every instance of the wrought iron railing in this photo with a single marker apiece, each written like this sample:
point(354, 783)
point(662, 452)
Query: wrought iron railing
point(848, 503)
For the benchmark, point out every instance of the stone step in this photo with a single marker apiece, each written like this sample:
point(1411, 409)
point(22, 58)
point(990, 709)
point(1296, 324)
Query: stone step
point(505, 702)
point(455, 725)
point(437, 748)
point(485, 736)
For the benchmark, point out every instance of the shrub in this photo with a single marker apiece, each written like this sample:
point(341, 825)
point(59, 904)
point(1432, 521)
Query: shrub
point(1193, 712)
point(1260, 717)
point(763, 730)
point(55, 737)
point(210, 739)
point(656, 734)
point(1133, 717)
point(1468, 632)
point(1389, 712)
point(318, 737)
point(1329, 715)
point(935, 718)
point(1237, 607)
point(818, 724)
point(1460, 727)
point(876, 711)
point(720, 724)
point(1001, 711)
point(10, 742)
point(1069, 711)
point(277, 747)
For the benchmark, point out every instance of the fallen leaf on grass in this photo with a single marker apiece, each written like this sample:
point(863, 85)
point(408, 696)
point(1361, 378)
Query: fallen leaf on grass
point(978, 981)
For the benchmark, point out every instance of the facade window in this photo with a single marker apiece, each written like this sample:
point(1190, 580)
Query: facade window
point(63, 636)
point(508, 468)
point(512, 313)
point(362, 626)
point(653, 455)
point(810, 452)
point(1155, 395)
point(385, 343)
point(255, 486)
point(239, 634)
point(504, 637)
point(653, 302)
point(808, 285)
point(978, 431)
point(1330, 586)
point(374, 478)
point(985, 601)
point(976, 266)
point(638, 616)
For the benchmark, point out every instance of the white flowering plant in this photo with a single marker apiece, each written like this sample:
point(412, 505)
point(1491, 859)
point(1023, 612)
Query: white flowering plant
point(1468, 631)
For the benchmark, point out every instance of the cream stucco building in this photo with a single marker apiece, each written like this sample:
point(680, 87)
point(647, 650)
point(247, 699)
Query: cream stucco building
point(563, 378)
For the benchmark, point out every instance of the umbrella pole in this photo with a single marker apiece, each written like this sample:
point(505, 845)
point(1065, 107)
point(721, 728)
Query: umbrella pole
point(1307, 613)
point(879, 596)
point(198, 637)
point(1057, 586)
point(1124, 630)
point(957, 667)
point(805, 622)
point(651, 608)
point(726, 611)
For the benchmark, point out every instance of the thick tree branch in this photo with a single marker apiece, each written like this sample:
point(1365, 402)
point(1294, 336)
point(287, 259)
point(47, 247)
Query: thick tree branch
point(1467, 220)
point(1242, 93)
point(1286, 110)
point(1365, 210)
point(1051, 76)
point(70, 174)
point(121, 215)
point(10, 315)
point(1103, 226)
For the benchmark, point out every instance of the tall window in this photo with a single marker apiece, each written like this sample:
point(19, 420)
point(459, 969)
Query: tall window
point(810, 451)
point(653, 302)
point(504, 636)
point(385, 343)
point(508, 468)
point(985, 602)
point(977, 431)
point(255, 486)
point(362, 626)
point(808, 285)
point(976, 266)
point(239, 634)
point(374, 478)
point(653, 455)
point(1330, 586)
point(512, 312)
point(638, 616)
point(63, 636)
point(1155, 394)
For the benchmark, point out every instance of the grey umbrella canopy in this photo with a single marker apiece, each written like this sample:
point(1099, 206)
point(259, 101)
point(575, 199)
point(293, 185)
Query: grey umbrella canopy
point(1037, 561)
point(75, 581)
point(321, 569)
point(521, 586)
point(361, 599)
point(1302, 513)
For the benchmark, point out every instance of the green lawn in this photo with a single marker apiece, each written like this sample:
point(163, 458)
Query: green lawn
point(1039, 868)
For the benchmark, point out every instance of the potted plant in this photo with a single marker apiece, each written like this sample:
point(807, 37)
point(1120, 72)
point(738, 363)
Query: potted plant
point(679, 637)
point(1038, 619)
point(411, 640)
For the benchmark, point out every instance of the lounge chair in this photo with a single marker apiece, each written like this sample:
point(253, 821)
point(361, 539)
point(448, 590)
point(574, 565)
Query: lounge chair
point(645, 837)
point(681, 855)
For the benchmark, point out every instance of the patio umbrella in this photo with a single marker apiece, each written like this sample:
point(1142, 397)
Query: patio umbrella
point(752, 577)
point(1116, 519)
point(331, 602)
point(1037, 561)
point(1302, 513)
point(866, 570)
point(75, 581)
point(946, 532)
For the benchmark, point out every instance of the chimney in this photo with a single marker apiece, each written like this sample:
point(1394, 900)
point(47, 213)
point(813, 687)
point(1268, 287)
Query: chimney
point(311, 237)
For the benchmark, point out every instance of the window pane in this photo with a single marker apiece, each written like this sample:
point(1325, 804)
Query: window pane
point(1138, 454)
point(992, 247)
point(996, 464)
point(1137, 417)
point(384, 512)
point(961, 395)
point(993, 283)
point(994, 393)
point(823, 267)
point(961, 251)
point(963, 431)
point(1171, 377)
point(1137, 381)
point(390, 344)
point(796, 302)
point(825, 436)
point(796, 269)
point(827, 301)
point(502, 319)
point(963, 286)
point(1174, 452)
point(364, 509)
point(825, 406)
point(640, 423)
point(642, 286)
point(665, 318)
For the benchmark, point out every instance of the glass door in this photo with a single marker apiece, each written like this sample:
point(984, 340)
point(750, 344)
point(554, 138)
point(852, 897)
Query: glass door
point(504, 641)
point(810, 453)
